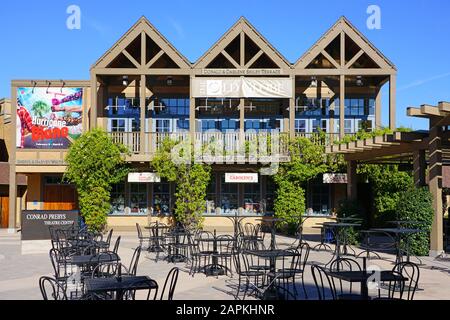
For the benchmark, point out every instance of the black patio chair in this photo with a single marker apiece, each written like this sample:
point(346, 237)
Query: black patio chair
point(284, 275)
point(303, 250)
point(344, 289)
point(105, 245)
point(132, 270)
point(402, 290)
point(224, 252)
point(251, 278)
point(60, 266)
point(171, 281)
point(116, 245)
point(51, 289)
point(149, 285)
point(141, 237)
point(324, 285)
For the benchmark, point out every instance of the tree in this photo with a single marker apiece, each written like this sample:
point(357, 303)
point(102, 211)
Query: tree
point(308, 160)
point(94, 164)
point(192, 181)
point(388, 183)
point(416, 204)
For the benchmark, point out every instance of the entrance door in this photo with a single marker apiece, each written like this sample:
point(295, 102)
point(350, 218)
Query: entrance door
point(4, 212)
point(59, 197)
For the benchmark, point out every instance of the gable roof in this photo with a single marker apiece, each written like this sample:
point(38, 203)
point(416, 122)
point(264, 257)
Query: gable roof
point(343, 25)
point(142, 25)
point(242, 25)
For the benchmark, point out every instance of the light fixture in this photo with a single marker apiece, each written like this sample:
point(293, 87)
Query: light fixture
point(359, 81)
point(34, 85)
point(169, 81)
point(48, 85)
point(125, 80)
point(313, 82)
point(62, 86)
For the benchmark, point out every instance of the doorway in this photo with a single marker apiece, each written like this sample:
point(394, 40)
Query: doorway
point(4, 211)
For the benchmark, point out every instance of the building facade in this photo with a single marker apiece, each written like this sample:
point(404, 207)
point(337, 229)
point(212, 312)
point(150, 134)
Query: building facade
point(142, 90)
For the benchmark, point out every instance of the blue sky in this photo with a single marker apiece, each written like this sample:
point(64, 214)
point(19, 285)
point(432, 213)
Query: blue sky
point(414, 35)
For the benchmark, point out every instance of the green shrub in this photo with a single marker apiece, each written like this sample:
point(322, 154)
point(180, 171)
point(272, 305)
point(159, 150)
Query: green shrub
point(416, 204)
point(350, 208)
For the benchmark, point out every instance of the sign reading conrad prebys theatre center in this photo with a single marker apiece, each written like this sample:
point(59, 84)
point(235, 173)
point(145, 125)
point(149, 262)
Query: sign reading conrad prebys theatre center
point(48, 118)
point(36, 224)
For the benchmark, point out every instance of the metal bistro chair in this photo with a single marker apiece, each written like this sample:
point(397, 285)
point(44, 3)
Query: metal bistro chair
point(224, 252)
point(324, 285)
point(171, 280)
point(132, 270)
point(116, 245)
point(403, 290)
point(345, 292)
point(141, 237)
point(59, 264)
point(105, 245)
point(51, 289)
point(245, 274)
point(149, 285)
point(303, 250)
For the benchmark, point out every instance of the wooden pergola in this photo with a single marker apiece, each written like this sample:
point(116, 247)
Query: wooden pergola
point(429, 151)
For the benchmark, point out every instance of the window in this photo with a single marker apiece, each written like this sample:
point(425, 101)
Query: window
point(210, 125)
point(118, 199)
point(262, 124)
point(171, 106)
point(354, 107)
point(319, 197)
point(123, 107)
point(313, 106)
point(162, 125)
point(118, 125)
point(319, 123)
point(228, 196)
point(252, 197)
point(371, 107)
point(211, 201)
point(183, 124)
point(348, 126)
point(229, 124)
point(300, 125)
point(138, 198)
point(161, 198)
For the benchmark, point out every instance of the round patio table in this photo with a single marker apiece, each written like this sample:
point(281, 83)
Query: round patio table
point(176, 256)
point(215, 269)
point(156, 236)
point(340, 229)
point(400, 233)
point(272, 222)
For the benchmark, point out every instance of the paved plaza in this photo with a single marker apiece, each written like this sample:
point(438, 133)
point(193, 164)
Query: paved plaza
point(22, 265)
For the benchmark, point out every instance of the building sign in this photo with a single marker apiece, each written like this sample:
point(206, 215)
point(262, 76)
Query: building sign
point(48, 118)
point(143, 177)
point(241, 72)
point(335, 178)
point(242, 88)
point(40, 162)
point(36, 224)
point(241, 178)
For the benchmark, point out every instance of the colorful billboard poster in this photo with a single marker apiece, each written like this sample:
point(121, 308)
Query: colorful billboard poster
point(48, 118)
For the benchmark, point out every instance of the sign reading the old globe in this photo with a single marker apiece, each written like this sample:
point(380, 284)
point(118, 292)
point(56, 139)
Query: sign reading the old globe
point(241, 178)
point(36, 224)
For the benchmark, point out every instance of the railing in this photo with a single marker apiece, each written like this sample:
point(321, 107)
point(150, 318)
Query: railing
point(130, 139)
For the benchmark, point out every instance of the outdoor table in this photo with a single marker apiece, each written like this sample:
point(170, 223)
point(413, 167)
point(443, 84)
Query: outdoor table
point(399, 233)
point(272, 221)
point(83, 260)
point(339, 228)
point(235, 219)
point(155, 235)
point(272, 291)
point(363, 277)
point(176, 256)
point(214, 269)
point(118, 284)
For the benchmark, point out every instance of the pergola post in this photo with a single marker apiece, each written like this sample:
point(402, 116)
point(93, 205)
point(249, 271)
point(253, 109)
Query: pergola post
point(192, 121)
point(94, 97)
point(392, 101)
point(143, 106)
point(435, 185)
point(352, 182)
point(12, 167)
point(292, 111)
point(342, 106)
point(378, 107)
point(420, 167)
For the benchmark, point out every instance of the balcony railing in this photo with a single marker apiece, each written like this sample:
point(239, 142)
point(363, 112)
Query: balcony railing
point(256, 146)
